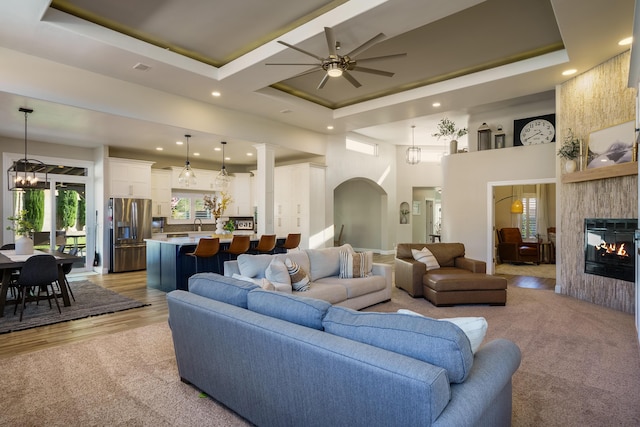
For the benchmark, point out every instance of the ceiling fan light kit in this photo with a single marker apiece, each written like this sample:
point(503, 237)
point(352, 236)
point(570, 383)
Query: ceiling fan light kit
point(336, 65)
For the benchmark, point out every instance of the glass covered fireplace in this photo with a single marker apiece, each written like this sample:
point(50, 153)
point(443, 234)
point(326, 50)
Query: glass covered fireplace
point(609, 247)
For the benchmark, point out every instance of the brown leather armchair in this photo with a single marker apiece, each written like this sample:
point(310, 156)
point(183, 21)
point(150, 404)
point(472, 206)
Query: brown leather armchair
point(512, 249)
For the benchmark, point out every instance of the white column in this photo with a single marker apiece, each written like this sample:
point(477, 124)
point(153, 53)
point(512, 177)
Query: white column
point(264, 188)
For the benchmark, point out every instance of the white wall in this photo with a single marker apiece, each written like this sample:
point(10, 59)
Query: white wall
point(343, 165)
point(464, 194)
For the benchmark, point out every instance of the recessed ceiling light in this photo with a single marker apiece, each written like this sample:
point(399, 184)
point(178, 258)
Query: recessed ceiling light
point(625, 41)
point(227, 158)
point(215, 93)
point(196, 154)
point(249, 154)
point(330, 127)
point(159, 148)
point(435, 104)
point(217, 149)
point(179, 142)
point(569, 72)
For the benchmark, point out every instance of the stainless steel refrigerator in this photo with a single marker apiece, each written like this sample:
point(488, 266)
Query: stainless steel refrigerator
point(130, 225)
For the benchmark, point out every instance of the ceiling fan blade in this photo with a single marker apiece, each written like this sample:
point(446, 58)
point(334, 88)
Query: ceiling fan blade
point(331, 41)
point(286, 63)
point(372, 71)
point(304, 73)
point(396, 55)
point(366, 45)
point(323, 81)
point(301, 50)
point(351, 80)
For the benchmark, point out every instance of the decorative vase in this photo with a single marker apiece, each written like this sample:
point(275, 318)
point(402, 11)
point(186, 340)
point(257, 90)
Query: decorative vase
point(453, 146)
point(570, 166)
point(24, 246)
point(219, 226)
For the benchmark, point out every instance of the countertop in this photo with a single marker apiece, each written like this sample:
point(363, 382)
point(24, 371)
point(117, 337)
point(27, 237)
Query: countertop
point(193, 238)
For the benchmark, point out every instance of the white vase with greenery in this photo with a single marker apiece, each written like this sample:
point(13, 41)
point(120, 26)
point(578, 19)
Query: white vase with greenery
point(447, 129)
point(22, 227)
point(570, 151)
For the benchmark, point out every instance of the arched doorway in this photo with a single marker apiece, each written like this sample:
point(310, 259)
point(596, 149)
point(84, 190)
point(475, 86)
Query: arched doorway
point(360, 205)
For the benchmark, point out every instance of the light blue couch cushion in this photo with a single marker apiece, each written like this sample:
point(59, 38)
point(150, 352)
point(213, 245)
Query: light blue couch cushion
point(303, 311)
point(253, 265)
point(441, 344)
point(221, 288)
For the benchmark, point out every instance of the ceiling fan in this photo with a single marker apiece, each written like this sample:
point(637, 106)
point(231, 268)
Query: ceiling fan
point(337, 65)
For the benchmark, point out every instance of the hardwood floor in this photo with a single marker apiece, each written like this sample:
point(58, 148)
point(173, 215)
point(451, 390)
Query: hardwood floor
point(134, 286)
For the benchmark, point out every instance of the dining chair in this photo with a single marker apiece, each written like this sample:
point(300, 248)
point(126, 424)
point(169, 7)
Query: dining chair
point(66, 269)
point(207, 247)
point(41, 272)
point(14, 273)
point(239, 245)
point(291, 242)
point(266, 245)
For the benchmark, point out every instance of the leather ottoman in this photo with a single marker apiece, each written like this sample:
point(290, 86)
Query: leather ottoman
point(465, 288)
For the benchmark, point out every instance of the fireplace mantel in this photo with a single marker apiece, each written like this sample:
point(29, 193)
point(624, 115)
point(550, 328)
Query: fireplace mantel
point(624, 169)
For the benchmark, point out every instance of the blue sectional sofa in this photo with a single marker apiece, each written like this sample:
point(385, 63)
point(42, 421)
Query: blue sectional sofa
point(279, 359)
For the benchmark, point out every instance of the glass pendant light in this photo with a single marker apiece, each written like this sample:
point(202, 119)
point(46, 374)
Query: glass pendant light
point(187, 177)
point(413, 152)
point(223, 179)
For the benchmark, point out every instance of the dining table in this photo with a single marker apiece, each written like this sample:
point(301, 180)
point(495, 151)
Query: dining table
point(10, 261)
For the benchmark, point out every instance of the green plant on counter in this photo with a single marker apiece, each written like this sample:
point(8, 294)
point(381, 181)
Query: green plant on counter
point(229, 226)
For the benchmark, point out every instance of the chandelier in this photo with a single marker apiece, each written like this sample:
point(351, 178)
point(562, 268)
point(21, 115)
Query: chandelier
point(27, 173)
point(413, 152)
point(223, 179)
point(187, 177)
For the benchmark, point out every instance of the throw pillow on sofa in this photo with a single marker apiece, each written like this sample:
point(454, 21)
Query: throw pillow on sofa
point(277, 272)
point(475, 328)
point(297, 309)
point(441, 344)
point(325, 262)
point(426, 257)
point(353, 265)
point(299, 277)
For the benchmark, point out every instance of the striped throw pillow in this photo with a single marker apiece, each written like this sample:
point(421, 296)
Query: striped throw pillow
point(357, 264)
point(426, 257)
point(299, 277)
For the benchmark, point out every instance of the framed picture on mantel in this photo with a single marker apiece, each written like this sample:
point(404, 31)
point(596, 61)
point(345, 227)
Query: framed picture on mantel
point(611, 146)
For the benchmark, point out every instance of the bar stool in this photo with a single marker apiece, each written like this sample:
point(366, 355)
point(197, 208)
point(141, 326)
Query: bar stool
point(239, 245)
point(291, 242)
point(206, 248)
point(266, 244)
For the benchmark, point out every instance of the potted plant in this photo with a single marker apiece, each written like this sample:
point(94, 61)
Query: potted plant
point(447, 129)
point(22, 227)
point(217, 205)
point(570, 151)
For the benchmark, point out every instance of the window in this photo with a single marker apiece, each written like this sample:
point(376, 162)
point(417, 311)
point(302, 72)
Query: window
point(362, 147)
point(186, 207)
point(528, 227)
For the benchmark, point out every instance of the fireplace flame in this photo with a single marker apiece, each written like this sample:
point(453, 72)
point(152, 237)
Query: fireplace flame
point(611, 248)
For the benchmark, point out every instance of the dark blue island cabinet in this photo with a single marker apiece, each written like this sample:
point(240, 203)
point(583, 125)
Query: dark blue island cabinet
point(169, 267)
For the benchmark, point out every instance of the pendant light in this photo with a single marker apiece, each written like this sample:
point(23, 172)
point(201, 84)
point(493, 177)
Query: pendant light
point(187, 177)
point(223, 179)
point(413, 152)
point(27, 173)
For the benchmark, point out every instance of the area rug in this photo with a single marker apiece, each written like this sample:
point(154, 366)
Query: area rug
point(547, 271)
point(90, 300)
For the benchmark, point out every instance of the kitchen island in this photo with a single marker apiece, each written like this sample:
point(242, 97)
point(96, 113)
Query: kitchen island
point(169, 267)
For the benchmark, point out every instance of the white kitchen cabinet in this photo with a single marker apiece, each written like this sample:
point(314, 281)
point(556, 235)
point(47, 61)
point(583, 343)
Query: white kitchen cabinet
point(161, 192)
point(299, 201)
point(129, 178)
point(240, 191)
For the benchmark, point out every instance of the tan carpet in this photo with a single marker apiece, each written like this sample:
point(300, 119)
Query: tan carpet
point(580, 367)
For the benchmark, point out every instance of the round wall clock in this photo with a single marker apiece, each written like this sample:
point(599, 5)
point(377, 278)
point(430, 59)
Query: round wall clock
point(534, 130)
